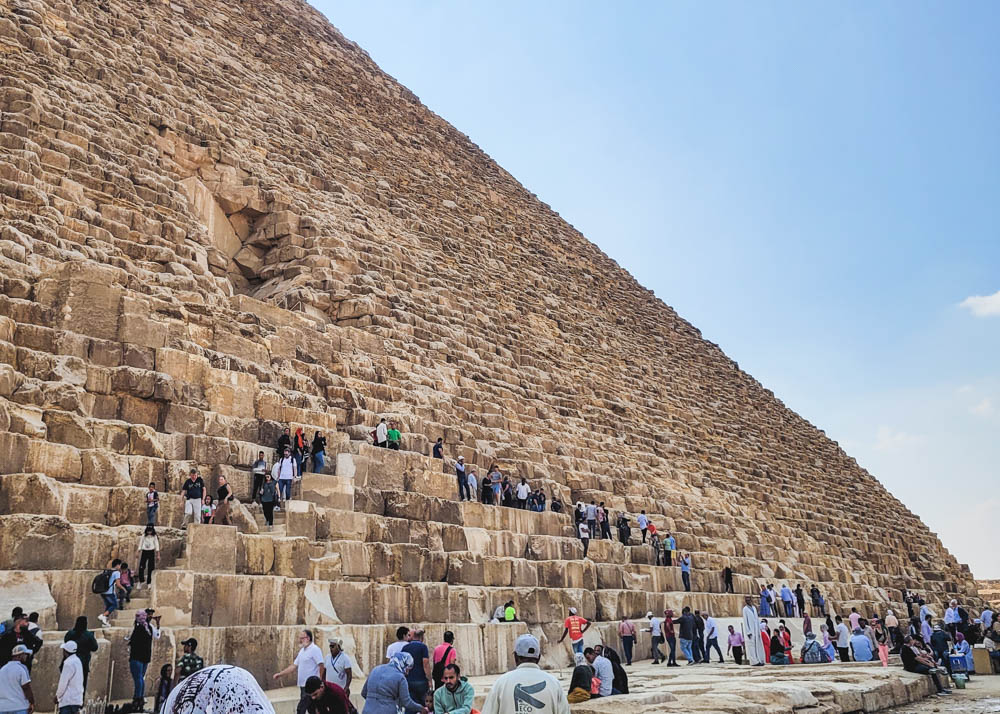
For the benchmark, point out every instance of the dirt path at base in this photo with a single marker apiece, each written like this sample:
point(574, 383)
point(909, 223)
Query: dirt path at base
point(980, 696)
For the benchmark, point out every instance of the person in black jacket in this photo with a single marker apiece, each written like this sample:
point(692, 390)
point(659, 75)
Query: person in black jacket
point(318, 452)
point(86, 644)
point(18, 634)
point(140, 652)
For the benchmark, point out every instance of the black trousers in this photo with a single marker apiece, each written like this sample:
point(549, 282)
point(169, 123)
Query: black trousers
point(463, 488)
point(258, 482)
point(147, 559)
point(668, 557)
point(738, 654)
point(627, 643)
point(268, 507)
point(845, 654)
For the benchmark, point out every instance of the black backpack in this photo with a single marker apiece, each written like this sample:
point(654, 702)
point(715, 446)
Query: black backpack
point(101, 583)
point(438, 672)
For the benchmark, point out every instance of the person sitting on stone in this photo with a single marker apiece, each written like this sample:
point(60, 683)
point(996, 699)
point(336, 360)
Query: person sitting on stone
point(438, 450)
point(812, 651)
point(603, 671)
point(919, 662)
point(580, 680)
point(556, 505)
point(777, 645)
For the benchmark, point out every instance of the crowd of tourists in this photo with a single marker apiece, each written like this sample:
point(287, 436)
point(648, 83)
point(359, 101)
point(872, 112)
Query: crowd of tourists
point(415, 678)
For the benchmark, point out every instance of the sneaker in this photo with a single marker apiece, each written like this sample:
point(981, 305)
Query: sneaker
point(946, 691)
point(104, 620)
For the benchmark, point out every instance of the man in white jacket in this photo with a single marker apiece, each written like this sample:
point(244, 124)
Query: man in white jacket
point(527, 689)
point(69, 692)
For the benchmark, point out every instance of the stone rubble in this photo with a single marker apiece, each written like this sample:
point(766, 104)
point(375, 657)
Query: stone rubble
point(220, 219)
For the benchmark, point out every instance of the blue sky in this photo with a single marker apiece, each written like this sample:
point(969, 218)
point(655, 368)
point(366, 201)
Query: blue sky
point(814, 186)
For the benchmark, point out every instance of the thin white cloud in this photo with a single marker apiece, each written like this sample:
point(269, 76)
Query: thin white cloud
point(984, 408)
point(982, 305)
point(891, 440)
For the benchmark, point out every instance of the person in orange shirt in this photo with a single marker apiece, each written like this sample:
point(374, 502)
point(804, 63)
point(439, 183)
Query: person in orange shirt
point(575, 626)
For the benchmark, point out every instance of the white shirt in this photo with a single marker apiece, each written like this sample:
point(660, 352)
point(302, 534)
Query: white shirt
point(336, 668)
point(523, 490)
point(381, 432)
point(584, 530)
point(308, 661)
point(12, 676)
point(643, 521)
point(515, 692)
point(471, 480)
point(710, 629)
point(843, 636)
point(149, 542)
point(286, 468)
point(951, 615)
point(395, 647)
point(654, 626)
point(69, 693)
point(604, 672)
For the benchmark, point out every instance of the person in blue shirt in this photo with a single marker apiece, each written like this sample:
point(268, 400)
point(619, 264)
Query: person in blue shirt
point(418, 678)
point(786, 599)
point(686, 571)
point(862, 646)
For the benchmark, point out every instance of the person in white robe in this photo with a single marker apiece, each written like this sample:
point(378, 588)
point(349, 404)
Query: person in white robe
point(751, 634)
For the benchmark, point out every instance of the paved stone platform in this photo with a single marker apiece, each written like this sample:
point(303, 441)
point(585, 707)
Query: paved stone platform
point(732, 689)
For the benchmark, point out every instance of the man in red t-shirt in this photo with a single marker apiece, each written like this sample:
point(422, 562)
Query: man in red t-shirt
point(444, 654)
point(575, 626)
point(323, 698)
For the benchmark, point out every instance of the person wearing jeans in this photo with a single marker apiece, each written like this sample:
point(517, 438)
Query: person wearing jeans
point(463, 482)
point(285, 471)
point(140, 644)
point(626, 630)
point(685, 561)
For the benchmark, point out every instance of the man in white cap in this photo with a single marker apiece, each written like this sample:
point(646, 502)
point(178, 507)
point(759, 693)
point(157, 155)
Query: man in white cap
point(575, 626)
point(69, 692)
point(15, 683)
point(527, 688)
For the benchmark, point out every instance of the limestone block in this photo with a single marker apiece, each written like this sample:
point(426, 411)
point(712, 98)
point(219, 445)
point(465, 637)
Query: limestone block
point(291, 557)
point(105, 468)
point(336, 525)
point(319, 608)
point(32, 542)
point(428, 602)
point(329, 491)
point(326, 568)
point(391, 602)
point(496, 572)
point(523, 573)
point(353, 601)
point(204, 206)
point(59, 461)
point(353, 558)
point(143, 441)
point(68, 428)
point(31, 591)
point(300, 519)
point(467, 569)
point(387, 530)
point(255, 554)
point(211, 549)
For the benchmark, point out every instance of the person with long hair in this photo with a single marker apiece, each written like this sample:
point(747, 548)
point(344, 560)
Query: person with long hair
point(163, 687)
point(318, 452)
point(269, 498)
point(225, 494)
point(149, 549)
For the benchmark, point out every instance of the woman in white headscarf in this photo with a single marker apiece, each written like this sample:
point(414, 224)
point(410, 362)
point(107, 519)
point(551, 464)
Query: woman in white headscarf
point(219, 689)
point(386, 691)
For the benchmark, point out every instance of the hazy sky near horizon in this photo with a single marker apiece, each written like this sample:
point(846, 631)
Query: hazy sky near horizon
point(814, 186)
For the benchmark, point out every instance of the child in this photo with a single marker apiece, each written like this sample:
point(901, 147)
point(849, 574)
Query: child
point(207, 509)
point(163, 687)
point(126, 583)
point(429, 702)
point(152, 503)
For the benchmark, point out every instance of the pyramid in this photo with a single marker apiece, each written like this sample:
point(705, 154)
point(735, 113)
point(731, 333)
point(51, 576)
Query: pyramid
point(220, 219)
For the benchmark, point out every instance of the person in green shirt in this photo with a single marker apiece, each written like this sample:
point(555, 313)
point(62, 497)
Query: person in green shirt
point(509, 614)
point(394, 436)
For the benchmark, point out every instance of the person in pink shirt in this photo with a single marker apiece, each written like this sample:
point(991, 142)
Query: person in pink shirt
point(735, 645)
point(444, 654)
point(626, 630)
point(855, 618)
